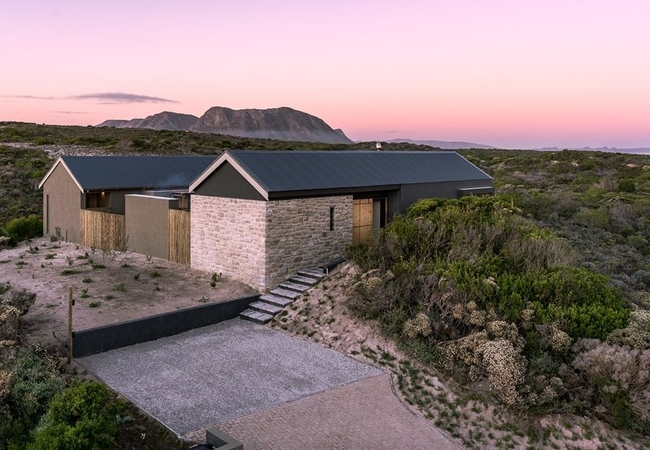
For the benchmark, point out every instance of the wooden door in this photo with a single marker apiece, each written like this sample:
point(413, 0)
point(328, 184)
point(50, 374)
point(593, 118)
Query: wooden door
point(362, 216)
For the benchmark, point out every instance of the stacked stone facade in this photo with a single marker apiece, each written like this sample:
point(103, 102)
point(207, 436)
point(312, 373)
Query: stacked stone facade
point(298, 234)
point(228, 237)
point(263, 242)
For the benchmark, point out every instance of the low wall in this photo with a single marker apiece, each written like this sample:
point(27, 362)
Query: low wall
point(109, 337)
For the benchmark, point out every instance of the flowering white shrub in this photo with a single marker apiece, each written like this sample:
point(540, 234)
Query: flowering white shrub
point(640, 319)
point(418, 326)
point(499, 360)
point(559, 340)
point(505, 368)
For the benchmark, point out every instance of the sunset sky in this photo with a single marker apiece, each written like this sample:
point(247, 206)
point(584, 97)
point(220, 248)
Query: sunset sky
point(508, 73)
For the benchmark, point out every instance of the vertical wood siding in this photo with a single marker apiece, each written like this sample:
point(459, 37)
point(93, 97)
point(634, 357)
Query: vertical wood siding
point(179, 236)
point(103, 230)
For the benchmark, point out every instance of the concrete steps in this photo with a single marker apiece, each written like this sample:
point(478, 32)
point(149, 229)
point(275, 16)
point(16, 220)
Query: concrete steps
point(268, 305)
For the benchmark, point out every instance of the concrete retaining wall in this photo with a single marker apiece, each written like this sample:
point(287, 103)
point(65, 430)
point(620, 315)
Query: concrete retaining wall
point(109, 337)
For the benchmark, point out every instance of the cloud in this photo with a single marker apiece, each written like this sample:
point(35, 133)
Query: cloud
point(71, 112)
point(121, 97)
point(30, 97)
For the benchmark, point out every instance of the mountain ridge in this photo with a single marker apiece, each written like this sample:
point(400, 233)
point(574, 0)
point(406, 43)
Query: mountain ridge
point(281, 123)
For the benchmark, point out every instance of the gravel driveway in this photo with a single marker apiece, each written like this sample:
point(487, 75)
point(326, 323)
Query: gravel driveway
point(218, 373)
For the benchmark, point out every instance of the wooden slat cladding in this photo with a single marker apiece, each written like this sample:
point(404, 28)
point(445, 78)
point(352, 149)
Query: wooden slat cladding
point(103, 230)
point(179, 236)
point(362, 221)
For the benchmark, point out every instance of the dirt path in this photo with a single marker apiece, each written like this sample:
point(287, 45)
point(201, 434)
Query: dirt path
point(108, 287)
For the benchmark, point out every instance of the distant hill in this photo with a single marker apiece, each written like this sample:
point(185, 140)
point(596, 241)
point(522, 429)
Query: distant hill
point(116, 123)
point(284, 123)
point(165, 120)
point(444, 145)
point(637, 150)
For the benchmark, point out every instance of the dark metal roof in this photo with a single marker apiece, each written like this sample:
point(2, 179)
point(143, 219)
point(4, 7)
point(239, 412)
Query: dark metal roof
point(286, 171)
point(136, 172)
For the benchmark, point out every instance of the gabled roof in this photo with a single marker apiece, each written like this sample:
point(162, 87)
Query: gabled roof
point(292, 171)
point(132, 172)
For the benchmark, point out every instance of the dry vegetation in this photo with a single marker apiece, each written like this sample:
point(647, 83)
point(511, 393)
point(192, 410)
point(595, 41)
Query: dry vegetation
point(474, 417)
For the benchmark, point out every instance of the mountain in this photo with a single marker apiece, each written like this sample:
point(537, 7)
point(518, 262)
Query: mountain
point(275, 123)
point(116, 123)
point(444, 145)
point(165, 120)
point(283, 123)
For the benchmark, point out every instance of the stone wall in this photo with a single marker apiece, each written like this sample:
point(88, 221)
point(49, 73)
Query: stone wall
point(262, 243)
point(298, 234)
point(228, 237)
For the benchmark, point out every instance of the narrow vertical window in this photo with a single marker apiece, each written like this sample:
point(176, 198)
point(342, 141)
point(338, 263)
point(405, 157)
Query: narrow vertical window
point(47, 214)
point(331, 218)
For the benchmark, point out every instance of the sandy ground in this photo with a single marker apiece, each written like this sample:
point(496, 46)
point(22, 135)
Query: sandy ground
point(107, 287)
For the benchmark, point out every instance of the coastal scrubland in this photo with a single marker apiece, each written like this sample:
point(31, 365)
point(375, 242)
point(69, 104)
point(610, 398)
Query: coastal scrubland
point(534, 300)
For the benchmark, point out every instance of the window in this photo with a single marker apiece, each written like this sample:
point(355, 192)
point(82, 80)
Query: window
point(98, 200)
point(331, 218)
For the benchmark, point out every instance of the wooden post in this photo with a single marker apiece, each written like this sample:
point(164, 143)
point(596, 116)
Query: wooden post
point(70, 303)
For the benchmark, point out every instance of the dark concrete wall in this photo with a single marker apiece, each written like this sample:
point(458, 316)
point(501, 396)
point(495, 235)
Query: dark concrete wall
point(147, 224)
point(61, 205)
point(109, 337)
point(118, 201)
point(411, 193)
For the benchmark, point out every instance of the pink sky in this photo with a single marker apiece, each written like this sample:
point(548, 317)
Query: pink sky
point(508, 73)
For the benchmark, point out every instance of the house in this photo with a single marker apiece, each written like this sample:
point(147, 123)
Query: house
point(120, 202)
point(260, 216)
point(254, 216)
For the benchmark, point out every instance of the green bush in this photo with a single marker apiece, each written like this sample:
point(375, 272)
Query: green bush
point(84, 416)
point(34, 381)
point(626, 185)
point(24, 228)
point(582, 302)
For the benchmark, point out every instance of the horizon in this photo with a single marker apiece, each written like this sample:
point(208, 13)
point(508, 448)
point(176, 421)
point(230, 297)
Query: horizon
point(565, 74)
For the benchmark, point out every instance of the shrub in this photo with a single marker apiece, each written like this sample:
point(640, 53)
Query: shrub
point(21, 299)
point(9, 322)
point(621, 380)
point(418, 326)
point(81, 417)
point(630, 337)
point(591, 217)
point(640, 319)
point(34, 381)
point(582, 302)
point(500, 361)
point(24, 228)
point(626, 185)
point(505, 368)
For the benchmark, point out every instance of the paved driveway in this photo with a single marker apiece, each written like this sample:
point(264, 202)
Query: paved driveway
point(363, 415)
point(218, 373)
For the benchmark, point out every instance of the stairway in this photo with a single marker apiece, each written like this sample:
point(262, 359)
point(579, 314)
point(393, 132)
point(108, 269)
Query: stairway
point(268, 305)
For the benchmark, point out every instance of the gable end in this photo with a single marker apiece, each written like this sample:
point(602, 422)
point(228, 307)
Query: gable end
point(226, 181)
